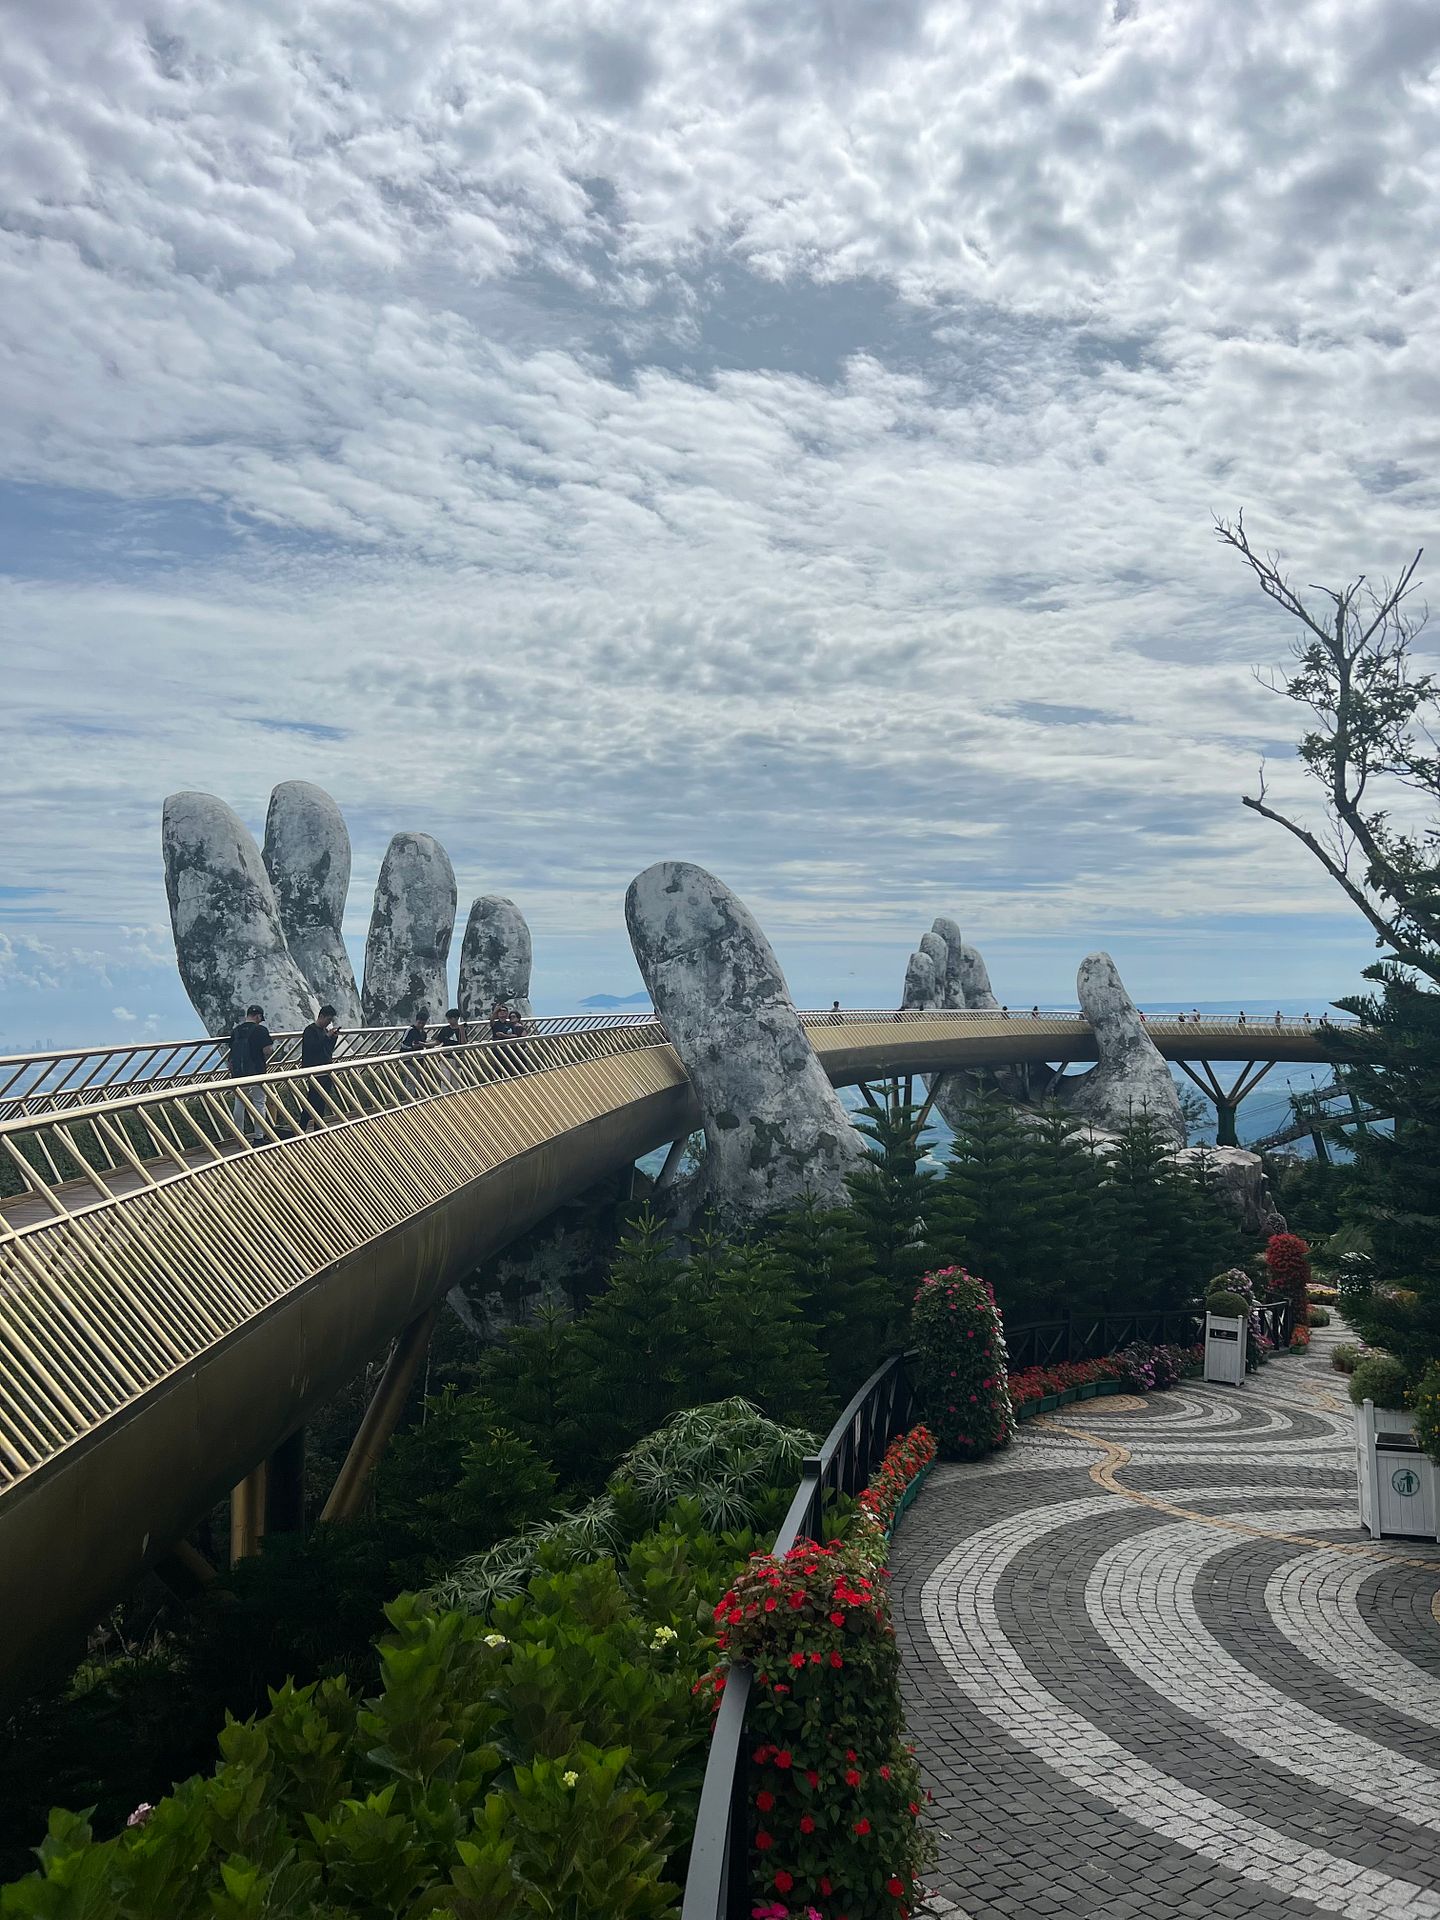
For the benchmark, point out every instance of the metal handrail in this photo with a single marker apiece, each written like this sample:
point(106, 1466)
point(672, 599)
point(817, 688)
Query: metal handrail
point(69, 1078)
point(66, 1078)
point(716, 1885)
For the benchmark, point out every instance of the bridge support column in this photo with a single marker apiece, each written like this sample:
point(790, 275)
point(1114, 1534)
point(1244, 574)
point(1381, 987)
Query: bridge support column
point(387, 1403)
point(247, 1513)
point(673, 1156)
point(1227, 1099)
point(285, 1486)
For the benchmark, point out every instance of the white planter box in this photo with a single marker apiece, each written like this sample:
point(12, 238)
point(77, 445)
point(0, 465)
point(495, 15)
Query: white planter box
point(1225, 1350)
point(1398, 1483)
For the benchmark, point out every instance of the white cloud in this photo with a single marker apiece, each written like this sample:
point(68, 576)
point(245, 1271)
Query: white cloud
point(784, 436)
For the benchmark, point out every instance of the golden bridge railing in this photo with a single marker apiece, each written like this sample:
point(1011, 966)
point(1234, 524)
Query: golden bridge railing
point(150, 1227)
point(62, 1080)
point(72, 1078)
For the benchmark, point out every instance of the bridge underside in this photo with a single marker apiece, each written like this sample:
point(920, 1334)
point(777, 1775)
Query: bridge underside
point(198, 1330)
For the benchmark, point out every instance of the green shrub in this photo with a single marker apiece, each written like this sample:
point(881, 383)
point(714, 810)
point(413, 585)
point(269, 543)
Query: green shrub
point(1426, 1400)
point(1227, 1306)
point(1319, 1316)
point(960, 1365)
point(1382, 1378)
point(1345, 1357)
point(835, 1792)
point(504, 1762)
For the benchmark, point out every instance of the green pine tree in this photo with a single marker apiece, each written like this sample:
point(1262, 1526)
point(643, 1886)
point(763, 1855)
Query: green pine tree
point(990, 1208)
point(755, 1341)
point(1391, 1063)
point(1169, 1234)
point(1071, 1248)
point(892, 1194)
point(852, 1306)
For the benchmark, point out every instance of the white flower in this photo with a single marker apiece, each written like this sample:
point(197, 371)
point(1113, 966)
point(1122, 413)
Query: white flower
point(496, 1640)
point(571, 1779)
point(663, 1637)
point(141, 1814)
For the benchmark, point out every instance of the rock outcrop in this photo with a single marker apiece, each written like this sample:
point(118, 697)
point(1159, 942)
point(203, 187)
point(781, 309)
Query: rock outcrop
point(1131, 1078)
point(975, 982)
point(229, 942)
point(410, 932)
point(1237, 1178)
point(774, 1126)
point(494, 959)
point(307, 856)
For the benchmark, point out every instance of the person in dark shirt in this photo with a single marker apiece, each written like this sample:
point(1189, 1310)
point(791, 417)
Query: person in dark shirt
point(317, 1049)
point(505, 1025)
point(453, 1033)
point(416, 1037)
point(250, 1050)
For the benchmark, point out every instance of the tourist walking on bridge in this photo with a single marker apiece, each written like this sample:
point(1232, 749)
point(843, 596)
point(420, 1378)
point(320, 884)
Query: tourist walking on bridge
point(317, 1049)
point(250, 1049)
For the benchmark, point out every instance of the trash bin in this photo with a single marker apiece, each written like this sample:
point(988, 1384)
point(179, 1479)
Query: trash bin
point(1225, 1350)
point(1397, 1480)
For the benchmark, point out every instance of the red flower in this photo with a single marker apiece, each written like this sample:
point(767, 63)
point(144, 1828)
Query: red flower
point(764, 1841)
point(825, 1886)
point(807, 1824)
point(783, 1881)
point(813, 1778)
point(837, 1619)
point(835, 1659)
point(764, 1801)
point(853, 1777)
point(782, 1759)
point(892, 1885)
point(797, 1659)
point(862, 1826)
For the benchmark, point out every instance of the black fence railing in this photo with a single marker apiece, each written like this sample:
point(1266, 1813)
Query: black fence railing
point(1077, 1336)
point(717, 1884)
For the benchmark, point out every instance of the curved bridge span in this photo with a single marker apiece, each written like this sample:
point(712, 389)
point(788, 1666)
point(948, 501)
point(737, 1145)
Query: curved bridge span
point(174, 1300)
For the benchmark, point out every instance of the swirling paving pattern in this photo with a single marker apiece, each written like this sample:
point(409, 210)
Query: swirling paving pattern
point(1155, 1668)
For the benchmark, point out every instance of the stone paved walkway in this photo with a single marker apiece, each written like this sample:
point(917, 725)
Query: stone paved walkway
point(1153, 1666)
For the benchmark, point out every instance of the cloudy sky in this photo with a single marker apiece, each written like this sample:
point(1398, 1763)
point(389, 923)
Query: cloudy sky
point(778, 433)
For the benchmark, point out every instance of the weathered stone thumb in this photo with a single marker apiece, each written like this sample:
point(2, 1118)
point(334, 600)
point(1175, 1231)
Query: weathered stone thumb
point(229, 945)
point(774, 1126)
point(411, 928)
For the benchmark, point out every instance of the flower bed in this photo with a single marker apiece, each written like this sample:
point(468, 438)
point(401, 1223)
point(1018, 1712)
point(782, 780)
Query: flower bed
point(835, 1791)
point(898, 1478)
point(1139, 1369)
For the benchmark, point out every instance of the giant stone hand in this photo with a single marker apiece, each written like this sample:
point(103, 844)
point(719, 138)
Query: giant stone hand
point(268, 929)
point(774, 1126)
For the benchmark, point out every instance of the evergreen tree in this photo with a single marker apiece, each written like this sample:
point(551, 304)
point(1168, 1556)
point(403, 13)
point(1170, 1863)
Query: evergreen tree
point(1072, 1248)
point(892, 1195)
point(1392, 1065)
point(1169, 1234)
point(755, 1342)
point(852, 1306)
point(990, 1208)
point(634, 1353)
point(527, 1379)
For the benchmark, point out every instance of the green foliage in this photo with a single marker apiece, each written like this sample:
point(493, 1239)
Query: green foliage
point(960, 1365)
point(708, 1468)
point(1226, 1305)
point(1319, 1316)
point(1169, 1230)
point(835, 1792)
point(1391, 1063)
point(1345, 1357)
point(1425, 1400)
point(891, 1193)
point(854, 1307)
point(546, 1762)
point(1382, 1378)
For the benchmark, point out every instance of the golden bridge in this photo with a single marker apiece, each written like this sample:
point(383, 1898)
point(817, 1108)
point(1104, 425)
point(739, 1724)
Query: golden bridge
point(175, 1298)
